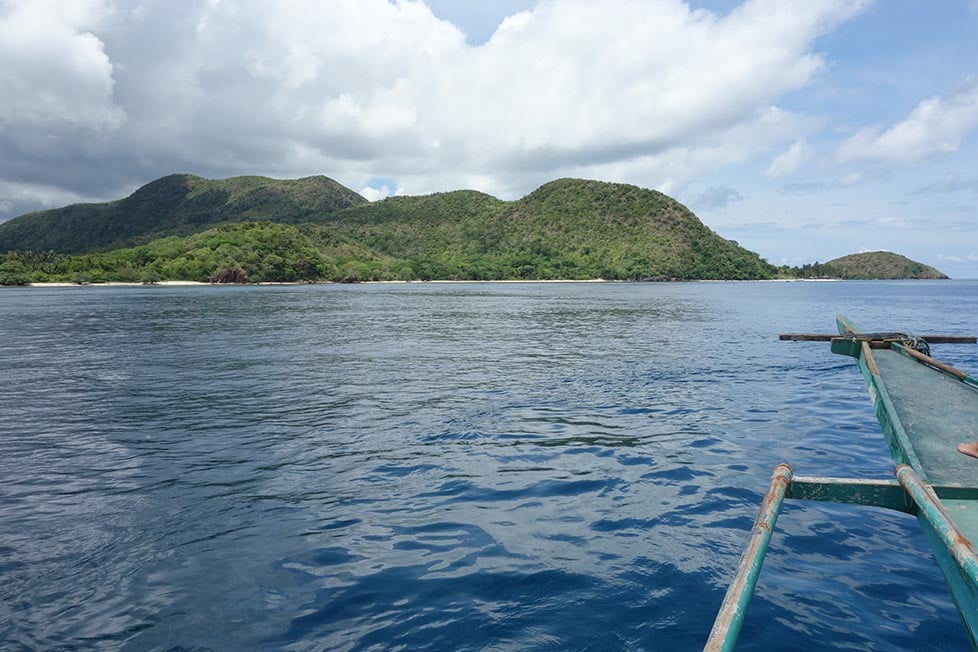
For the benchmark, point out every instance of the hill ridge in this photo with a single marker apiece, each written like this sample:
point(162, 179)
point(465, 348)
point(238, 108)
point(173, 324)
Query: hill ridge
point(882, 265)
point(566, 228)
point(175, 204)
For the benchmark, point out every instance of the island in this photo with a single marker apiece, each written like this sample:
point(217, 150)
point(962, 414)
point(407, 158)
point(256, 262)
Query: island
point(254, 229)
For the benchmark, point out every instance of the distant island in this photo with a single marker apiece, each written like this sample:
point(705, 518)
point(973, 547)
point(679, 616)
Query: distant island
point(252, 229)
point(867, 266)
point(882, 265)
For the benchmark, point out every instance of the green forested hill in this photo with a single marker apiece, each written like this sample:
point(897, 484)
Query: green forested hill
point(882, 265)
point(428, 230)
point(179, 204)
point(624, 231)
point(569, 228)
point(256, 251)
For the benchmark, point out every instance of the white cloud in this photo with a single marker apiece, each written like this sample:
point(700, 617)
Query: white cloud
point(954, 258)
point(646, 91)
point(951, 182)
point(53, 68)
point(45, 195)
point(19, 197)
point(790, 160)
point(935, 126)
point(376, 194)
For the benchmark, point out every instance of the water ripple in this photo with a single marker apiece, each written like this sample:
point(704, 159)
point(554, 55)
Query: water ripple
point(464, 467)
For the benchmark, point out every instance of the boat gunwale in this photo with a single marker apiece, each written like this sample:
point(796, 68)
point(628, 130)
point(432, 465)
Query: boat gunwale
point(901, 447)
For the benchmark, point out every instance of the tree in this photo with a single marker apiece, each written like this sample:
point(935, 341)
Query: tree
point(150, 277)
point(229, 275)
point(14, 273)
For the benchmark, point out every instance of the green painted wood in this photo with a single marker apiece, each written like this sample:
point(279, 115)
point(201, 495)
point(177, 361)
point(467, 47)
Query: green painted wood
point(851, 491)
point(958, 493)
point(847, 347)
point(889, 494)
point(901, 446)
point(954, 551)
point(937, 411)
point(845, 326)
point(924, 412)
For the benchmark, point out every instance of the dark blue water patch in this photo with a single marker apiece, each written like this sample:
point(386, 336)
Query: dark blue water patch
point(460, 490)
point(618, 525)
point(337, 525)
point(682, 475)
point(403, 470)
point(631, 459)
point(497, 607)
point(332, 556)
point(448, 467)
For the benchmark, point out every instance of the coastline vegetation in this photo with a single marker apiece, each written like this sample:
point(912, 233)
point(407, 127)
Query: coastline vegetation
point(178, 204)
point(253, 229)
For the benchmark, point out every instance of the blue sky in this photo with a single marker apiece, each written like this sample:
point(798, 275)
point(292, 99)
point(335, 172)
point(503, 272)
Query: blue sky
point(804, 131)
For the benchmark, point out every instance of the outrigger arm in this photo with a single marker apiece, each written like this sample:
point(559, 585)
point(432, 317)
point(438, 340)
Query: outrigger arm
point(919, 489)
point(908, 494)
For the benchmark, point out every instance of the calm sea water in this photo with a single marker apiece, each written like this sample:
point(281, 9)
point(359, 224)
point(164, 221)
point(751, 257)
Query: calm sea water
point(449, 467)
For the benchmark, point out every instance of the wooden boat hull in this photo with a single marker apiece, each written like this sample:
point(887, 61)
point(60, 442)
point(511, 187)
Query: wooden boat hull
point(924, 408)
point(938, 410)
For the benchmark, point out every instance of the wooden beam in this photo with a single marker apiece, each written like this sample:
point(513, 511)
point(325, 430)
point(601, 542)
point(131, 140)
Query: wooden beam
point(937, 364)
point(823, 337)
point(870, 360)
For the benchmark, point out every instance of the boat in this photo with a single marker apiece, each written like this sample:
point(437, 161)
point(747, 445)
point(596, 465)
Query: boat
point(925, 408)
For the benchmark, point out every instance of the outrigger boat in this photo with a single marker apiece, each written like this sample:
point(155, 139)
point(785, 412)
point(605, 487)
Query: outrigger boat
point(925, 408)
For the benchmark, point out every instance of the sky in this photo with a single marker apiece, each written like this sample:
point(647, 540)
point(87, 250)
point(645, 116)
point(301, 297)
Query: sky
point(802, 130)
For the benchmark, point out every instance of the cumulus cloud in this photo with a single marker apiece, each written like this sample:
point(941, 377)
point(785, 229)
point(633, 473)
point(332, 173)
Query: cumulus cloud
point(935, 126)
point(789, 161)
point(53, 68)
point(646, 91)
point(370, 193)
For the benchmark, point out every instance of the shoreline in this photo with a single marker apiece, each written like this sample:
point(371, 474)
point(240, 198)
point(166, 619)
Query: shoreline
point(65, 284)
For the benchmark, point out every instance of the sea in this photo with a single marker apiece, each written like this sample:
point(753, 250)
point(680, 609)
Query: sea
point(451, 466)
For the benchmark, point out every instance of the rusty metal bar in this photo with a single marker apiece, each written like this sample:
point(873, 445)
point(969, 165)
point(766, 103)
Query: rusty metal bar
point(932, 509)
point(726, 627)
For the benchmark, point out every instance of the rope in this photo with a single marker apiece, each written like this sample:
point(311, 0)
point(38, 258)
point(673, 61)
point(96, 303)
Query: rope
point(916, 343)
point(910, 341)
